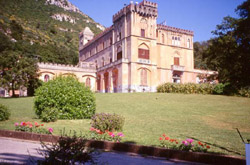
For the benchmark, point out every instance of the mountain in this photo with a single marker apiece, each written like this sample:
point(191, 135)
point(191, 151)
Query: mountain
point(50, 28)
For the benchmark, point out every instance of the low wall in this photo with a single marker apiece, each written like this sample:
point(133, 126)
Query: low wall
point(138, 149)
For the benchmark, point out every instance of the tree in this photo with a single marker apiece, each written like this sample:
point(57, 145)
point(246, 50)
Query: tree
point(16, 70)
point(228, 52)
point(16, 30)
point(199, 61)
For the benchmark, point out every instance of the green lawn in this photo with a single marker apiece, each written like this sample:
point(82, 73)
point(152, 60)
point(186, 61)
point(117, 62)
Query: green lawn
point(208, 118)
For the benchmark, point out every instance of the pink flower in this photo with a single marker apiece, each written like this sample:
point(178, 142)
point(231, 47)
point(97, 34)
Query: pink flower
point(185, 143)
point(16, 124)
point(21, 123)
point(113, 135)
point(120, 134)
point(189, 140)
point(50, 130)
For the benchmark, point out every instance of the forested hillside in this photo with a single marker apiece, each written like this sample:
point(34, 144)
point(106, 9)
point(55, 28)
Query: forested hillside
point(45, 31)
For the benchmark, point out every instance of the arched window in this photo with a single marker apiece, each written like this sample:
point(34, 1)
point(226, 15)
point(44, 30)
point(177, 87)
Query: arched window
point(46, 78)
point(143, 77)
point(88, 82)
point(163, 38)
point(144, 27)
point(143, 51)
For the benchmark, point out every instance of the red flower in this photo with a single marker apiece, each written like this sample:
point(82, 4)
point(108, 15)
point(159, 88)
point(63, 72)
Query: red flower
point(42, 125)
point(208, 147)
point(176, 142)
point(166, 138)
point(164, 135)
point(160, 138)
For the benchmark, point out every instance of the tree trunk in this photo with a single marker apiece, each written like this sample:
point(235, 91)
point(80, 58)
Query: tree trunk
point(13, 89)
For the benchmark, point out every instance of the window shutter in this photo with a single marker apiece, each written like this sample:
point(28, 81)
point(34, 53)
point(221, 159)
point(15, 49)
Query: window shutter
point(143, 53)
point(176, 61)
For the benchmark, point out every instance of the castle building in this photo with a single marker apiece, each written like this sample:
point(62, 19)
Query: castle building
point(137, 54)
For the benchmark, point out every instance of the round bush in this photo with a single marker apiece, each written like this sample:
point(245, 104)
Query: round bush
point(4, 113)
point(64, 98)
point(107, 122)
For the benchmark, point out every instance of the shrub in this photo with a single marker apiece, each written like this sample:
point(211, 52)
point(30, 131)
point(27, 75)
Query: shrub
point(107, 122)
point(245, 92)
point(64, 98)
point(68, 150)
point(189, 88)
point(4, 113)
point(49, 114)
point(219, 89)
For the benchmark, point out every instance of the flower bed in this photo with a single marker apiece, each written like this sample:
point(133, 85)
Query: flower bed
point(35, 128)
point(186, 145)
point(97, 134)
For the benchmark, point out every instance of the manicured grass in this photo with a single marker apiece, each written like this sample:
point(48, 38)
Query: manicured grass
point(208, 118)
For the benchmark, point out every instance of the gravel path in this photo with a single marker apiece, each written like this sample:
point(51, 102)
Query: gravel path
point(15, 151)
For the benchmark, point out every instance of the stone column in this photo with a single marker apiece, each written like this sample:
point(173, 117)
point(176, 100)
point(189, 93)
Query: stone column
point(102, 85)
point(111, 82)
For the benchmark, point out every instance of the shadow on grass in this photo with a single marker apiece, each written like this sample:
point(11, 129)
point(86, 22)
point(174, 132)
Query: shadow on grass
point(218, 146)
point(16, 97)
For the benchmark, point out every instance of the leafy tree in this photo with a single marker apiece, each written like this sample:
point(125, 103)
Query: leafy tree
point(228, 52)
point(5, 42)
point(16, 30)
point(16, 70)
point(199, 49)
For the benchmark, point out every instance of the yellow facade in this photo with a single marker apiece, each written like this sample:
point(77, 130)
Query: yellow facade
point(135, 54)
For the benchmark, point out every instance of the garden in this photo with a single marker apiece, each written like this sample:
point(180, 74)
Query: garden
point(189, 122)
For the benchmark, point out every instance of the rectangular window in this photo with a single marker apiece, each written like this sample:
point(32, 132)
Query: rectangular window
point(176, 61)
point(119, 55)
point(142, 32)
point(143, 53)
point(110, 41)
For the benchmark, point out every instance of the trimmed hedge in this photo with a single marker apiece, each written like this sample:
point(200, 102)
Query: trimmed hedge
point(189, 88)
point(64, 98)
point(4, 113)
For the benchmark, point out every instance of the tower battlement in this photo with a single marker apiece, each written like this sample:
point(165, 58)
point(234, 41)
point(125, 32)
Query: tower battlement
point(145, 8)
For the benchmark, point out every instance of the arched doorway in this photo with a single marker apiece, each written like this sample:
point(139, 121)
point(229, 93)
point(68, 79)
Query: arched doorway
point(46, 78)
point(88, 82)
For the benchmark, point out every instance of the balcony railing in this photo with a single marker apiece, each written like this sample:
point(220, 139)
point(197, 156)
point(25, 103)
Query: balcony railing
point(177, 68)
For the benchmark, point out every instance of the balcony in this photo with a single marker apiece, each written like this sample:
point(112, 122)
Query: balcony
point(177, 68)
point(144, 61)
